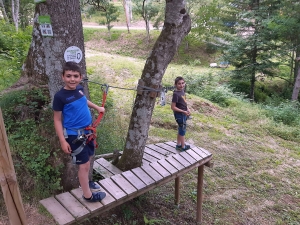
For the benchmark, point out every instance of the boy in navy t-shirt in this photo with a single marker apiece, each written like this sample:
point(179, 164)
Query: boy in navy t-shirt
point(181, 112)
point(71, 116)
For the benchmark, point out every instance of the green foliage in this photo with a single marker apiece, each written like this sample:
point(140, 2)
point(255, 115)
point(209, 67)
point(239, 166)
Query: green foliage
point(286, 112)
point(152, 221)
point(13, 50)
point(29, 124)
point(111, 14)
point(206, 86)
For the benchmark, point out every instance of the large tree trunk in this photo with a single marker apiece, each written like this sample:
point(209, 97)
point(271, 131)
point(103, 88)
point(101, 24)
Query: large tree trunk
point(45, 59)
point(176, 27)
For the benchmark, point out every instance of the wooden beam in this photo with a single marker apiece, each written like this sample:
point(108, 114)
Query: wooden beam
point(8, 180)
point(200, 194)
point(177, 190)
point(209, 164)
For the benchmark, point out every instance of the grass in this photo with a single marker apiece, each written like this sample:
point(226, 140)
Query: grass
point(256, 165)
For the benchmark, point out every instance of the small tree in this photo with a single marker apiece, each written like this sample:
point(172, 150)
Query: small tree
point(147, 9)
point(111, 14)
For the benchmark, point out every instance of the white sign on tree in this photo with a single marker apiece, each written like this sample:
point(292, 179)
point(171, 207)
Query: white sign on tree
point(73, 53)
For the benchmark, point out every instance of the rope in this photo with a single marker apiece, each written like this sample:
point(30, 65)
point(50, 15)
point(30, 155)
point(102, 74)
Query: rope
point(131, 89)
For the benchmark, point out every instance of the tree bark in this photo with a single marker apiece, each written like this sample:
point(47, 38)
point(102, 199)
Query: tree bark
point(176, 26)
point(127, 16)
point(15, 6)
point(3, 11)
point(45, 59)
point(297, 83)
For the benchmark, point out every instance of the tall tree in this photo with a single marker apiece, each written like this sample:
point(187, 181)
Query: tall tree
point(3, 11)
point(147, 9)
point(177, 24)
point(15, 8)
point(252, 49)
point(46, 55)
point(127, 10)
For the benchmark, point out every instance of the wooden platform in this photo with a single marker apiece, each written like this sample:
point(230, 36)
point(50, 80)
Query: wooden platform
point(161, 164)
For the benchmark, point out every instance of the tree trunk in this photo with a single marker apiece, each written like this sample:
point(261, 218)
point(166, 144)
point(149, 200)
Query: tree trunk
point(44, 63)
point(176, 26)
point(15, 6)
point(127, 16)
point(297, 83)
point(3, 11)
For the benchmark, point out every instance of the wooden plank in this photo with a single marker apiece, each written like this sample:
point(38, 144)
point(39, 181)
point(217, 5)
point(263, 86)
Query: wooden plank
point(59, 213)
point(123, 184)
point(155, 154)
point(108, 200)
point(165, 164)
point(200, 153)
point(175, 163)
point(181, 160)
point(72, 204)
point(112, 188)
point(101, 170)
point(145, 162)
point(188, 157)
point(152, 172)
point(91, 206)
point(205, 151)
point(110, 167)
point(8, 180)
point(149, 158)
point(171, 143)
point(162, 171)
point(192, 153)
point(161, 151)
point(143, 176)
point(134, 180)
point(167, 147)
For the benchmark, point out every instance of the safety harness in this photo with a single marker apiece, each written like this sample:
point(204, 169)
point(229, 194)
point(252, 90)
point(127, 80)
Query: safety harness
point(91, 135)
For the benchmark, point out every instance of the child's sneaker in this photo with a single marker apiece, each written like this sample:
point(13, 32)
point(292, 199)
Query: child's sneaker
point(186, 147)
point(96, 197)
point(94, 186)
point(178, 147)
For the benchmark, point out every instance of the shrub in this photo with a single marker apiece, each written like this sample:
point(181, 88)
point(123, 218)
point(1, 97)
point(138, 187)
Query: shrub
point(286, 112)
point(29, 126)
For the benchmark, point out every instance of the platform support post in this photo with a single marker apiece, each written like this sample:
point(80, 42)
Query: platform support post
point(199, 194)
point(8, 181)
point(177, 192)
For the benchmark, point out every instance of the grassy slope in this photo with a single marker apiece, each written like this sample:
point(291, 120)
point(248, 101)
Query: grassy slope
point(255, 179)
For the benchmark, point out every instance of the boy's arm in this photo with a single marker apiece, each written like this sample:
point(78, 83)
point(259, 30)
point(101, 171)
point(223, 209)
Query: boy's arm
point(57, 117)
point(175, 109)
point(96, 107)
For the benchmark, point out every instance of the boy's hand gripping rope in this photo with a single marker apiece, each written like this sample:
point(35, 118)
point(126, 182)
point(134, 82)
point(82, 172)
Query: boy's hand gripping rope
point(93, 127)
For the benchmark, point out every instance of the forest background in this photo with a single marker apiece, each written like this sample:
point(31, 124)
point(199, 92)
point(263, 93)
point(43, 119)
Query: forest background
point(246, 114)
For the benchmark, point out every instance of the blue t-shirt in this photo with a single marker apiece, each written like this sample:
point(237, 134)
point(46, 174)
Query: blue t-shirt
point(74, 108)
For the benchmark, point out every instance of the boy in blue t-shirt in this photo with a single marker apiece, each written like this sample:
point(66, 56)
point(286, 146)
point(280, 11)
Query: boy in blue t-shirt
point(71, 116)
point(181, 112)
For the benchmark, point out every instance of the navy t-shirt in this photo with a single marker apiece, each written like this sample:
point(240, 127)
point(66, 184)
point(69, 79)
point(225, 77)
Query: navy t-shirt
point(179, 99)
point(74, 108)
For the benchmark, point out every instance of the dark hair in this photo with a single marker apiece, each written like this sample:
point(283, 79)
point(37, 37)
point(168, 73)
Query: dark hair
point(71, 66)
point(177, 79)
